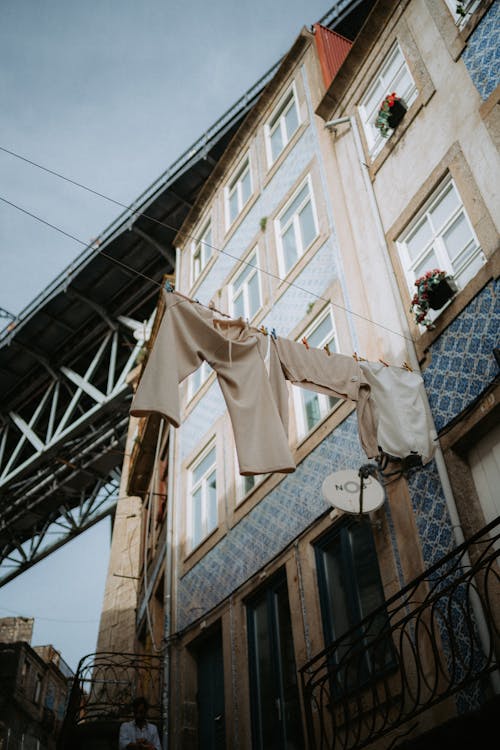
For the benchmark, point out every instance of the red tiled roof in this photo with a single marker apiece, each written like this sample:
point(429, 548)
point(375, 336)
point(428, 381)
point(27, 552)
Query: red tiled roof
point(332, 51)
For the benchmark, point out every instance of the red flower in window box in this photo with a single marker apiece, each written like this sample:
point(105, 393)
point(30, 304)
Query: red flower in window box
point(434, 289)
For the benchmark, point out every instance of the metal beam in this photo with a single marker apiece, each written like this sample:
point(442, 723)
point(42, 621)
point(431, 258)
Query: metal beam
point(165, 252)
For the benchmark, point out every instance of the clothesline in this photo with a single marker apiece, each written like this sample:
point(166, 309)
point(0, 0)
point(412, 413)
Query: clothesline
point(153, 219)
point(272, 332)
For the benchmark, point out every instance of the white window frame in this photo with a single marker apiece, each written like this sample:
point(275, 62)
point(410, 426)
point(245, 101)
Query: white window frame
point(278, 121)
point(374, 138)
point(249, 266)
point(201, 248)
point(235, 186)
point(244, 489)
point(294, 220)
point(193, 486)
point(197, 379)
point(462, 272)
point(470, 6)
point(299, 394)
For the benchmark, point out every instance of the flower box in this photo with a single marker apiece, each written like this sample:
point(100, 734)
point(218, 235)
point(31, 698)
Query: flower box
point(391, 112)
point(434, 289)
point(441, 293)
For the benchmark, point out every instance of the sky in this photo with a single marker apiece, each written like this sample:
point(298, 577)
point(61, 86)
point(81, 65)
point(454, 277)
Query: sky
point(108, 93)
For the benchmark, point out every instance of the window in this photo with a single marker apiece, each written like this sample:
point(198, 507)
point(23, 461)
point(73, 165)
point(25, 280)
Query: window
point(238, 192)
point(296, 227)
point(245, 292)
point(202, 515)
point(350, 589)
point(441, 237)
point(274, 692)
point(197, 379)
point(311, 407)
point(393, 76)
point(38, 688)
point(462, 11)
point(201, 251)
point(282, 125)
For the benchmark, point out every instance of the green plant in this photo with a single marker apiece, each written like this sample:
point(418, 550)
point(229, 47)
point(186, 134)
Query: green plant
point(263, 223)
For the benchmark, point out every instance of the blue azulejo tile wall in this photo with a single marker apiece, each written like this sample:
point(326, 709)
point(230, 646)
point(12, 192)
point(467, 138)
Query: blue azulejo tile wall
point(482, 54)
point(269, 527)
point(462, 363)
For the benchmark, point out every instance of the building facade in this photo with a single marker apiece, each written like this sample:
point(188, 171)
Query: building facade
point(316, 225)
point(34, 688)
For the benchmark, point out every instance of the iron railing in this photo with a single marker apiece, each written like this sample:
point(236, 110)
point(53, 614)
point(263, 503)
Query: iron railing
point(106, 684)
point(430, 647)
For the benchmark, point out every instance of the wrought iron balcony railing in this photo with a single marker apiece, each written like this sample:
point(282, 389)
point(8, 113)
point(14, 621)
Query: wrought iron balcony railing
point(373, 680)
point(104, 687)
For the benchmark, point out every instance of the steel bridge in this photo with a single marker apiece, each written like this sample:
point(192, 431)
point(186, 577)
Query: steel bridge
point(64, 361)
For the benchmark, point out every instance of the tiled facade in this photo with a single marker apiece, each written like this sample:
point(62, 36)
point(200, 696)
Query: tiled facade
point(482, 54)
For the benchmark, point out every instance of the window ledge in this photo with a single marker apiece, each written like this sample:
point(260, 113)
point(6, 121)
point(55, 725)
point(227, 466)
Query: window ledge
point(191, 558)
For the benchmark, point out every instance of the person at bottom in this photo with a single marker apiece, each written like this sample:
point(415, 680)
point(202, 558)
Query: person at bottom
point(139, 734)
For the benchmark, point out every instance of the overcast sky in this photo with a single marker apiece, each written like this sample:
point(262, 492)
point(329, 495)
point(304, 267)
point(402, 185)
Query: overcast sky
point(109, 93)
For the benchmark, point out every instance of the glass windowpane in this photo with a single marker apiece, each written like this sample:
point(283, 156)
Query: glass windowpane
point(307, 226)
point(441, 212)
point(276, 143)
point(246, 188)
point(211, 502)
point(419, 239)
point(294, 206)
point(196, 511)
point(457, 237)
point(290, 253)
point(312, 409)
point(291, 121)
point(204, 465)
point(322, 333)
point(253, 295)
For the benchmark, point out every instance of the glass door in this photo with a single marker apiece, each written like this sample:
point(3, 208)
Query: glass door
point(276, 722)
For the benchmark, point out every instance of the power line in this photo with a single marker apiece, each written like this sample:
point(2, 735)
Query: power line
point(175, 229)
point(47, 619)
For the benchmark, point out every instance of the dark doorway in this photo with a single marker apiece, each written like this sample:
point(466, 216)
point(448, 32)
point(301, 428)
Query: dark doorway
point(276, 722)
point(210, 696)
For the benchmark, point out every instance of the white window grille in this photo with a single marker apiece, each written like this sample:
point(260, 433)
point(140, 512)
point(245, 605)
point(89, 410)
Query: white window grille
point(296, 227)
point(282, 125)
point(202, 507)
point(245, 289)
point(311, 407)
point(441, 236)
point(238, 192)
point(393, 76)
point(201, 251)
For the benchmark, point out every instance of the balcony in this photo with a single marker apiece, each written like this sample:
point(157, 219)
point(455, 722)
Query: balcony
point(101, 698)
point(431, 655)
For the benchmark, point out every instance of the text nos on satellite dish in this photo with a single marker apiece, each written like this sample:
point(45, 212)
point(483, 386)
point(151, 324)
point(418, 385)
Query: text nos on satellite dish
point(343, 488)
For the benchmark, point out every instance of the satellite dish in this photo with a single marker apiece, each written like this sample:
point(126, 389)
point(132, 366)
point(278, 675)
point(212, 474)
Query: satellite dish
point(343, 491)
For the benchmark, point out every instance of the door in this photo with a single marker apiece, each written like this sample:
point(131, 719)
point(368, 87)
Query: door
point(276, 723)
point(210, 696)
point(484, 461)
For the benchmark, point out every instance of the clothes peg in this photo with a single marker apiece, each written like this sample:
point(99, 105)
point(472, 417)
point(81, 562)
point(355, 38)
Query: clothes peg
point(382, 362)
point(273, 333)
point(406, 366)
point(169, 287)
point(263, 330)
point(305, 342)
point(355, 356)
point(327, 349)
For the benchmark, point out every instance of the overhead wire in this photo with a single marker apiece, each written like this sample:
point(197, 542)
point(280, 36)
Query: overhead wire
point(153, 219)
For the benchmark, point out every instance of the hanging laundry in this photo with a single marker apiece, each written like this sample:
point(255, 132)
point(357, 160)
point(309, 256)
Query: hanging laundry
point(404, 425)
point(252, 369)
point(190, 334)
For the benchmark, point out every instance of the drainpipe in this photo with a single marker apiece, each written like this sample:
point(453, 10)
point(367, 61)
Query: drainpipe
point(439, 458)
